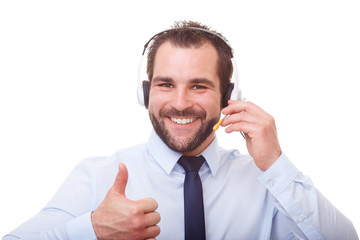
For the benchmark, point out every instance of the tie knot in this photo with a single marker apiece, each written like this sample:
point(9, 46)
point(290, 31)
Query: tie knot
point(191, 164)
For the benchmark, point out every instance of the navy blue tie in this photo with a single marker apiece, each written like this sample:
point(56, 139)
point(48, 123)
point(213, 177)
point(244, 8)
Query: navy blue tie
point(193, 198)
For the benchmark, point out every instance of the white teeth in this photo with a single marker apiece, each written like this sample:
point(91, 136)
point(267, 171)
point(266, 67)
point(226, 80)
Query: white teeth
point(182, 121)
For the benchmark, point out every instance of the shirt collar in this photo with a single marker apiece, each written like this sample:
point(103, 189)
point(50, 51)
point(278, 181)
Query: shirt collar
point(168, 158)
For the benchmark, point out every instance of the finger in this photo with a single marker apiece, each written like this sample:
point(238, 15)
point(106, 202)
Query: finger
point(152, 232)
point(238, 106)
point(253, 131)
point(148, 204)
point(152, 218)
point(121, 179)
point(247, 128)
point(240, 117)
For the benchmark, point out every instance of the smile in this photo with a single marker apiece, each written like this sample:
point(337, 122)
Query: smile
point(182, 121)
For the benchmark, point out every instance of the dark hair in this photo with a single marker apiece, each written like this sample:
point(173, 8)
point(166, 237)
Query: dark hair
point(182, 36)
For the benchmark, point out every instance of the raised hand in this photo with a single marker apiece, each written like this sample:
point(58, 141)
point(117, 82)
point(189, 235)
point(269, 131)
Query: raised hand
point(259, 128)
point(120, 218)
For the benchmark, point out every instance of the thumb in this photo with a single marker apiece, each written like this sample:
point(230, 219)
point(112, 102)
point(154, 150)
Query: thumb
point(121, 179)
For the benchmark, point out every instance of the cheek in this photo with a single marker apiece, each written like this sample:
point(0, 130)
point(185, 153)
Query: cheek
point(156, 102)
point(212, 105)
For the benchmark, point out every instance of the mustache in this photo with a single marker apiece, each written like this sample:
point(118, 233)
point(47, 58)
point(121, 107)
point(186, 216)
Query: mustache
point(189, 112)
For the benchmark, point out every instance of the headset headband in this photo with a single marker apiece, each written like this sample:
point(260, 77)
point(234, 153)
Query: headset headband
point(193, 28)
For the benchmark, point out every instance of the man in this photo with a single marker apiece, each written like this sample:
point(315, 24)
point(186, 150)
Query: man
point(262, 196)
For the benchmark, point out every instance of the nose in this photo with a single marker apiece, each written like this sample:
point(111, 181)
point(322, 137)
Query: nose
point(181, 99)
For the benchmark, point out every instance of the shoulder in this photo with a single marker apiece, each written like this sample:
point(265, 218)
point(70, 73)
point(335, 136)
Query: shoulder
point(236, 161)
point(235, 156)
point(104, 162)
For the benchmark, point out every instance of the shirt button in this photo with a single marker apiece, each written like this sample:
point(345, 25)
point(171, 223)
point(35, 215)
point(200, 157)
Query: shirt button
point(270, 183)
point(300, 219)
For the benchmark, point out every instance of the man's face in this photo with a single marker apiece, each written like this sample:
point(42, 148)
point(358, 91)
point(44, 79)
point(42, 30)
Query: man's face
point(184, 102)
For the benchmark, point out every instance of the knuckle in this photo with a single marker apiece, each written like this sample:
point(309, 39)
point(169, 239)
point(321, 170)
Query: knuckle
point(270, 123)
point(134, 210)
point(262, 128)
point(271, 120)
point(137, 223)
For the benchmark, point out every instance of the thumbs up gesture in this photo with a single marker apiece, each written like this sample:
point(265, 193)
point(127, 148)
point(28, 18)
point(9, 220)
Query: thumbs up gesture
point(120, 218)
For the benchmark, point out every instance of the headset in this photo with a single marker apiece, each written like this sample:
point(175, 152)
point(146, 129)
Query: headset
point(233, 91)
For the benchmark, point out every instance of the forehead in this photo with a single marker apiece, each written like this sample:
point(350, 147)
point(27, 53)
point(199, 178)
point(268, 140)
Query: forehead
point(181, 62)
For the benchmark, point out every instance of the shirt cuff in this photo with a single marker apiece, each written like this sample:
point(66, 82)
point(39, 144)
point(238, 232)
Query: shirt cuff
point(81, 228)
point(279, 175)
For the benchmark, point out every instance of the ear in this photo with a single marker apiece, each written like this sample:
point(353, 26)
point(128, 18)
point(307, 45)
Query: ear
point(227, 95)
point(146, 92)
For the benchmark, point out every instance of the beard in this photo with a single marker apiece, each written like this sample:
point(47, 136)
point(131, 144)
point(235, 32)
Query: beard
point(180, 143)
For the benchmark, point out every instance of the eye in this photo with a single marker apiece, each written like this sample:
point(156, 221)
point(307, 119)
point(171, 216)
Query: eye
point(199, 87)
point(166, 85)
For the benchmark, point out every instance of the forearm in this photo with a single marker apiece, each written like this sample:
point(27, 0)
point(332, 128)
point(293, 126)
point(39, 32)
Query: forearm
point(306, 212)
point(52, 224)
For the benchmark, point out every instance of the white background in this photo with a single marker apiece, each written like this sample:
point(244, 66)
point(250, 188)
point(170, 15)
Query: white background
point(68, 87)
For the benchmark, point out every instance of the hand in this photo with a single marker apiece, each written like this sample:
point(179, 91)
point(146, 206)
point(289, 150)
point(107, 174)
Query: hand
point(259, 128)
point(120, 218)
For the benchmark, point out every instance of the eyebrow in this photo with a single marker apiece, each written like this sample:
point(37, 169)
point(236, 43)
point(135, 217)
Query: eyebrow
point(203, 81)
point(192, 81)
point(162, 79)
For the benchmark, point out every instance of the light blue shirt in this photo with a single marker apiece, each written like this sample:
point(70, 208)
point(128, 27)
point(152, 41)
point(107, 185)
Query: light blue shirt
point(240, 201)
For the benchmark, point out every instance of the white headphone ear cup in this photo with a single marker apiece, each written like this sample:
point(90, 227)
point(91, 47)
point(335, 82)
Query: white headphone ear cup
point(140, 87)
point(236, 93)
point(140, 95)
